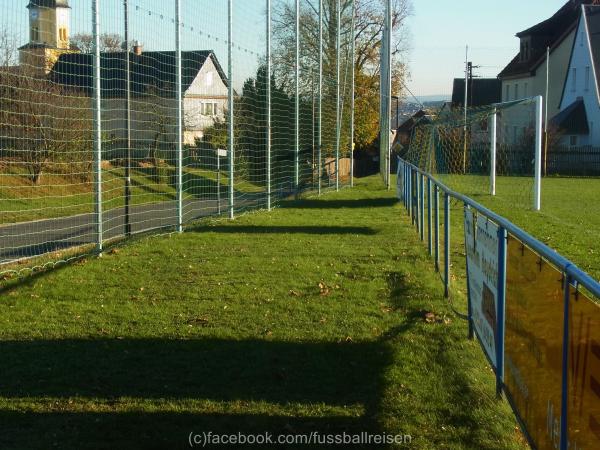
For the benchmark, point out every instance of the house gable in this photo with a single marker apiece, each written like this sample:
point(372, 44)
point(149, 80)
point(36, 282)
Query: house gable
point(208, 82)
point(581, 80)
point(581, 91)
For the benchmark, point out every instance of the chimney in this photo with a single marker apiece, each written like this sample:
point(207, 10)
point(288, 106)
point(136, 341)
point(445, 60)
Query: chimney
point(137, 48)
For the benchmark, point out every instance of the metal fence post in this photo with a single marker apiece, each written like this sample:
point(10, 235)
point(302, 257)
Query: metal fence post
point(564, 410)
point(436, 209)
point(406, 186)
point(127, 119)
point(500, 325)
point(410, 195)
point(97, 106)
point(470, 333)
point(268, 75)
point(388, 88)
point(429, 224)
point(537, 201)
point(338, 125)
point(493, 139)
point(446, 245)
point(352, 53)
point(218, 182)
point(422, 208)
point(297, 104)
point(230, 105)
point(179, 118)
point(320, 106)
point(416, 199)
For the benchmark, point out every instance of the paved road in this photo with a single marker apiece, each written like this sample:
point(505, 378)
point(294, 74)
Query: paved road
point(29, 239)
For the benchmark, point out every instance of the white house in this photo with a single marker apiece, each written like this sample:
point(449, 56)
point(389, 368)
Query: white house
point(49, 53)
point(579, 118)
point(153, 91)
point(525, 75)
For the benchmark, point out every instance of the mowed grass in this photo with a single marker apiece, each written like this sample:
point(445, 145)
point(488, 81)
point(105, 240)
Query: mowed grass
point(323, 315)
point(569, 219)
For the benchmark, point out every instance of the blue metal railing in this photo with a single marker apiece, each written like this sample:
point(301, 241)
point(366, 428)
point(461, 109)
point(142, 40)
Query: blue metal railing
point(411, 192)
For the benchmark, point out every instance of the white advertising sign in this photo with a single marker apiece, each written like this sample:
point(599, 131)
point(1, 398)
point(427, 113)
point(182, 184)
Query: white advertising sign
point(481, 247)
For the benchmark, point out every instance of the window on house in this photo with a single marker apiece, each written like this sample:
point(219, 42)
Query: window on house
point(587, 78)
point(573, 79)
point(507, 98)
point(573, 141)
point(207, 109)
point(525, 89)
point(62, 34)
point(35, 34)
point(516, 91)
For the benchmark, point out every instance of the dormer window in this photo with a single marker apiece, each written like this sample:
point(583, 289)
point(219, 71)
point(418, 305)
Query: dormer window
point(525, 49)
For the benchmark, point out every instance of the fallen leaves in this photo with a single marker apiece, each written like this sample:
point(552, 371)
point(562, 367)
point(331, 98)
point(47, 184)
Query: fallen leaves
point(431, 317)
point(323, 289)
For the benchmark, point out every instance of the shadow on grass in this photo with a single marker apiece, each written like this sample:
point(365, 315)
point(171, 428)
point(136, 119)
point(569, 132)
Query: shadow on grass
point(338, 204)
point(252, 229)
point(272, 373)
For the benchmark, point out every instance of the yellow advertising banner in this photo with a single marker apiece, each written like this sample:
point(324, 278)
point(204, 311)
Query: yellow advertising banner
point(533, 342)
point(584, 372)
point(533, 352)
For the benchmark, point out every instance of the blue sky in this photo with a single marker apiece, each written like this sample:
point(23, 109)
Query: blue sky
point(440, 30)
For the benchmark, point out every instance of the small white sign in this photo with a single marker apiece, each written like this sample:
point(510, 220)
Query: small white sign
point(481, 242)
point(221, 152)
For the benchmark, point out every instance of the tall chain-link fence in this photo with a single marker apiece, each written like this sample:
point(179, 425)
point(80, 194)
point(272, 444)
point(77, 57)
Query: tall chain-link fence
point(124, 116)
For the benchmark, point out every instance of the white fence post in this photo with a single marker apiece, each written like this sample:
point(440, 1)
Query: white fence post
point(268, 75)
point(537, 200)
point(97, 107)
point(493, 139)
point(230, 104)
point(179, 117)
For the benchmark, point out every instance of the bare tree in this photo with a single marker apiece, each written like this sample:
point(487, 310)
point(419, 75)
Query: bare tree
point(45, 123)
point(109, 42)
point(9, 55)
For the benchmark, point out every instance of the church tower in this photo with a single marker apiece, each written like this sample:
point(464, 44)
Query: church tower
point(49, 33)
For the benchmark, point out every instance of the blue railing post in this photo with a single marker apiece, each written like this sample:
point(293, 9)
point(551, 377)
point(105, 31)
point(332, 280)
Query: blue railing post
point(436, 208)
point(429, 234)
point(413, 187)
point(470, 333)
point(422, 208)
point(564, 437)
point(410, 196)
point(500, 306)
point(407, 190)
point(417, 198)
point(446, 244)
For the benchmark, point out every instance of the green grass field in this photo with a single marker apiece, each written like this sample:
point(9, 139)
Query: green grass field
point(324, 315)
point(569, 220)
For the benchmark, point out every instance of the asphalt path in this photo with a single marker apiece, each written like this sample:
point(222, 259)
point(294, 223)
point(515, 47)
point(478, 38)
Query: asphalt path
point(35, 238)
